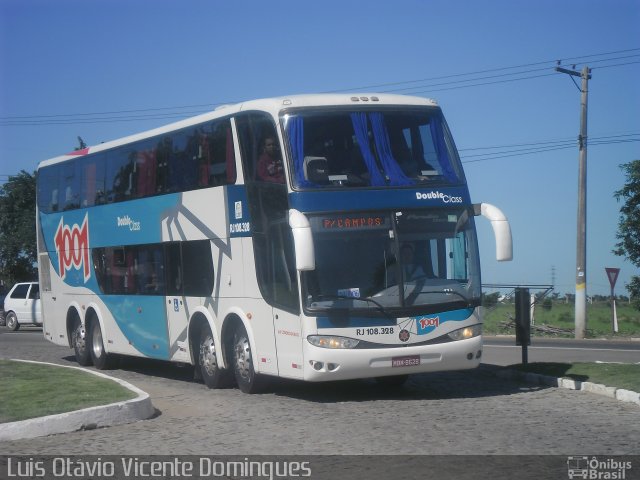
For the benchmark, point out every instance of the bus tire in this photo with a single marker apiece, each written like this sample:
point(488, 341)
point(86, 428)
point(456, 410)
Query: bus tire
point(79, 340)
point(247, 379)
point(101, 359)
point(12, 321)
point(212, 375)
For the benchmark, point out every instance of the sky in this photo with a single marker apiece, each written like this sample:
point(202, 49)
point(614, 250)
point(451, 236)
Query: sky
point(103, 69)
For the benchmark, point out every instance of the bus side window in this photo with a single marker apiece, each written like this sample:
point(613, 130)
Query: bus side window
point(92, 181)
point(145, 169)
point(120, 171)
point(197, 268)
point(183, 161)
point(216, 155)
point(253, 130)
point(164, 150)
point(48, 189)
point(69, 187)
point(173, 261)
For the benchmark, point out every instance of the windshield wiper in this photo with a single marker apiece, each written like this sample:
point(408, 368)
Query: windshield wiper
point(378, 305)
point(467, 300)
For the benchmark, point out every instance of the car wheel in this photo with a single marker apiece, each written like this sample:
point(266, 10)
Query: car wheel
point(101, 359)
point(12, 321)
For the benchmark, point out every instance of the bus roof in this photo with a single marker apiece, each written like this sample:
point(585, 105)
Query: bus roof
point(273, 105)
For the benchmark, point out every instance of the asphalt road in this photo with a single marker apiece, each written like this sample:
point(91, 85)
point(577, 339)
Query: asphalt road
point(503, 350)
point(470, 412)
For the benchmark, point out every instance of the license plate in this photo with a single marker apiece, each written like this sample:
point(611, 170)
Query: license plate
point(408, 361)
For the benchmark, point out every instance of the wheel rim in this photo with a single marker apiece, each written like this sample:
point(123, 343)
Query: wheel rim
point(97, 342)
point(243, 358)
point(79, 338)
point(11, 320)
point(208, 356)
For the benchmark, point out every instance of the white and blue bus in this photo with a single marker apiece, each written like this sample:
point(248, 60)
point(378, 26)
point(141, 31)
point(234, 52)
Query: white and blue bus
point(315, 237)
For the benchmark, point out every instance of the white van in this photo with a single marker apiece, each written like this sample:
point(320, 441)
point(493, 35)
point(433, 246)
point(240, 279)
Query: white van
point(22, 305)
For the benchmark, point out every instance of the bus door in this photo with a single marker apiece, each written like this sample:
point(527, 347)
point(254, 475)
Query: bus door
point(176, 303)
point(283, 286)
point(288, 332)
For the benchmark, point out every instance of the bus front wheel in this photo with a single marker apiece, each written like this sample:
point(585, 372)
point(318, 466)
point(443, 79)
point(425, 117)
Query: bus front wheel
point(212, 375)
point(246, 378)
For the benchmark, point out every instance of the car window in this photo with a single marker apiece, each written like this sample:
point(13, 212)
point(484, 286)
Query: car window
point(34, 293)
point(20, 291)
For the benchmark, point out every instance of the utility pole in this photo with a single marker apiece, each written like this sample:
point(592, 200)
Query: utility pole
point(581, 245)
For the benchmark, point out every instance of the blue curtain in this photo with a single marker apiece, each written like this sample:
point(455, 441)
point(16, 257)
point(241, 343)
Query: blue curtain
point(359, 121)
point(389, 164)
point(442, 152)
point(295, 128)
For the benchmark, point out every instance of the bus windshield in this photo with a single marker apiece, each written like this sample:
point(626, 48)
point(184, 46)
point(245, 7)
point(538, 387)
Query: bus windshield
point(350, 148)
point(403, 260)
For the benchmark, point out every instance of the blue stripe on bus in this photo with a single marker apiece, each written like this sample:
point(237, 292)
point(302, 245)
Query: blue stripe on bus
point(357, 322)
point(378, 199)
point(352, 322)
point(143, 321)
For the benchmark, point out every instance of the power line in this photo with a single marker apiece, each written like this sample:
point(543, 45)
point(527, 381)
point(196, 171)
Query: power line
point(592, 140)
point(166, 113)
point(179, 107)
point(479, 72)
point(532, 151)
point(474, 82)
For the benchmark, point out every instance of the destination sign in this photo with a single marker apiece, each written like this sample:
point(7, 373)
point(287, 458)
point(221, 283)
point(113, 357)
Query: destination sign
point(351, 222)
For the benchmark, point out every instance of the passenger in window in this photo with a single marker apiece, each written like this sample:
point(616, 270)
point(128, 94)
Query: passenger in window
point(270, 167)
point(152, 286)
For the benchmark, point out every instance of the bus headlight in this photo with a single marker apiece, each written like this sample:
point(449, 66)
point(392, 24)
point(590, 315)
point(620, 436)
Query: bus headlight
point(329, 341)
point(466, 332)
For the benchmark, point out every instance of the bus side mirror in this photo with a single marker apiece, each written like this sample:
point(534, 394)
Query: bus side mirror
point(302, 240)
point(501, 229)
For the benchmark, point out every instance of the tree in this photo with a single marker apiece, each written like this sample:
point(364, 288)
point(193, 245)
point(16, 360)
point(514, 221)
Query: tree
point(629, 224)
point(18, 229)
point(490, 300)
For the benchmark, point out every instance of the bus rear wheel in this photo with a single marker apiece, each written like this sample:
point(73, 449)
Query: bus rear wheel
point(79, 342)
point(247, 379)
point(101, 359)
point(212, 375)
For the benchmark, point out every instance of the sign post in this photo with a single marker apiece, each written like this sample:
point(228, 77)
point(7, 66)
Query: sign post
point(523, 322)
point(612, 273)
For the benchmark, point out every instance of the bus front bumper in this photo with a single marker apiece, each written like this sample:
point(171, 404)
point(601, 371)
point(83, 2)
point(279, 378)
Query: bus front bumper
point(324, 364)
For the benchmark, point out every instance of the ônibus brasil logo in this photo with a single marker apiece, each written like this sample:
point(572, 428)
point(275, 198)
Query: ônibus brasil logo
point(72, 247)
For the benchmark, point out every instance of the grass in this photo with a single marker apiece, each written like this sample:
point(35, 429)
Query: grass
point(610, 374)
point(29, 390)
point(561, 315)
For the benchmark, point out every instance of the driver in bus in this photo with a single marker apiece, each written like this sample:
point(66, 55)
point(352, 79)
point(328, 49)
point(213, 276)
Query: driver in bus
point(270, 168)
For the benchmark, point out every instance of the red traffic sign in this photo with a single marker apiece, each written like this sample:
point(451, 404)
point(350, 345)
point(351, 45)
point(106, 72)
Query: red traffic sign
point(612, 273)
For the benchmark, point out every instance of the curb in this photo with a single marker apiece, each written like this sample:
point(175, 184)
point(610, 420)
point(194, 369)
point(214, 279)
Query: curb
point(129, 411)
point(619, 394)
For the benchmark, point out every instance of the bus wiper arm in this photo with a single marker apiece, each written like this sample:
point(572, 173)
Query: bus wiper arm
point(446, 291)
point(378, 305)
